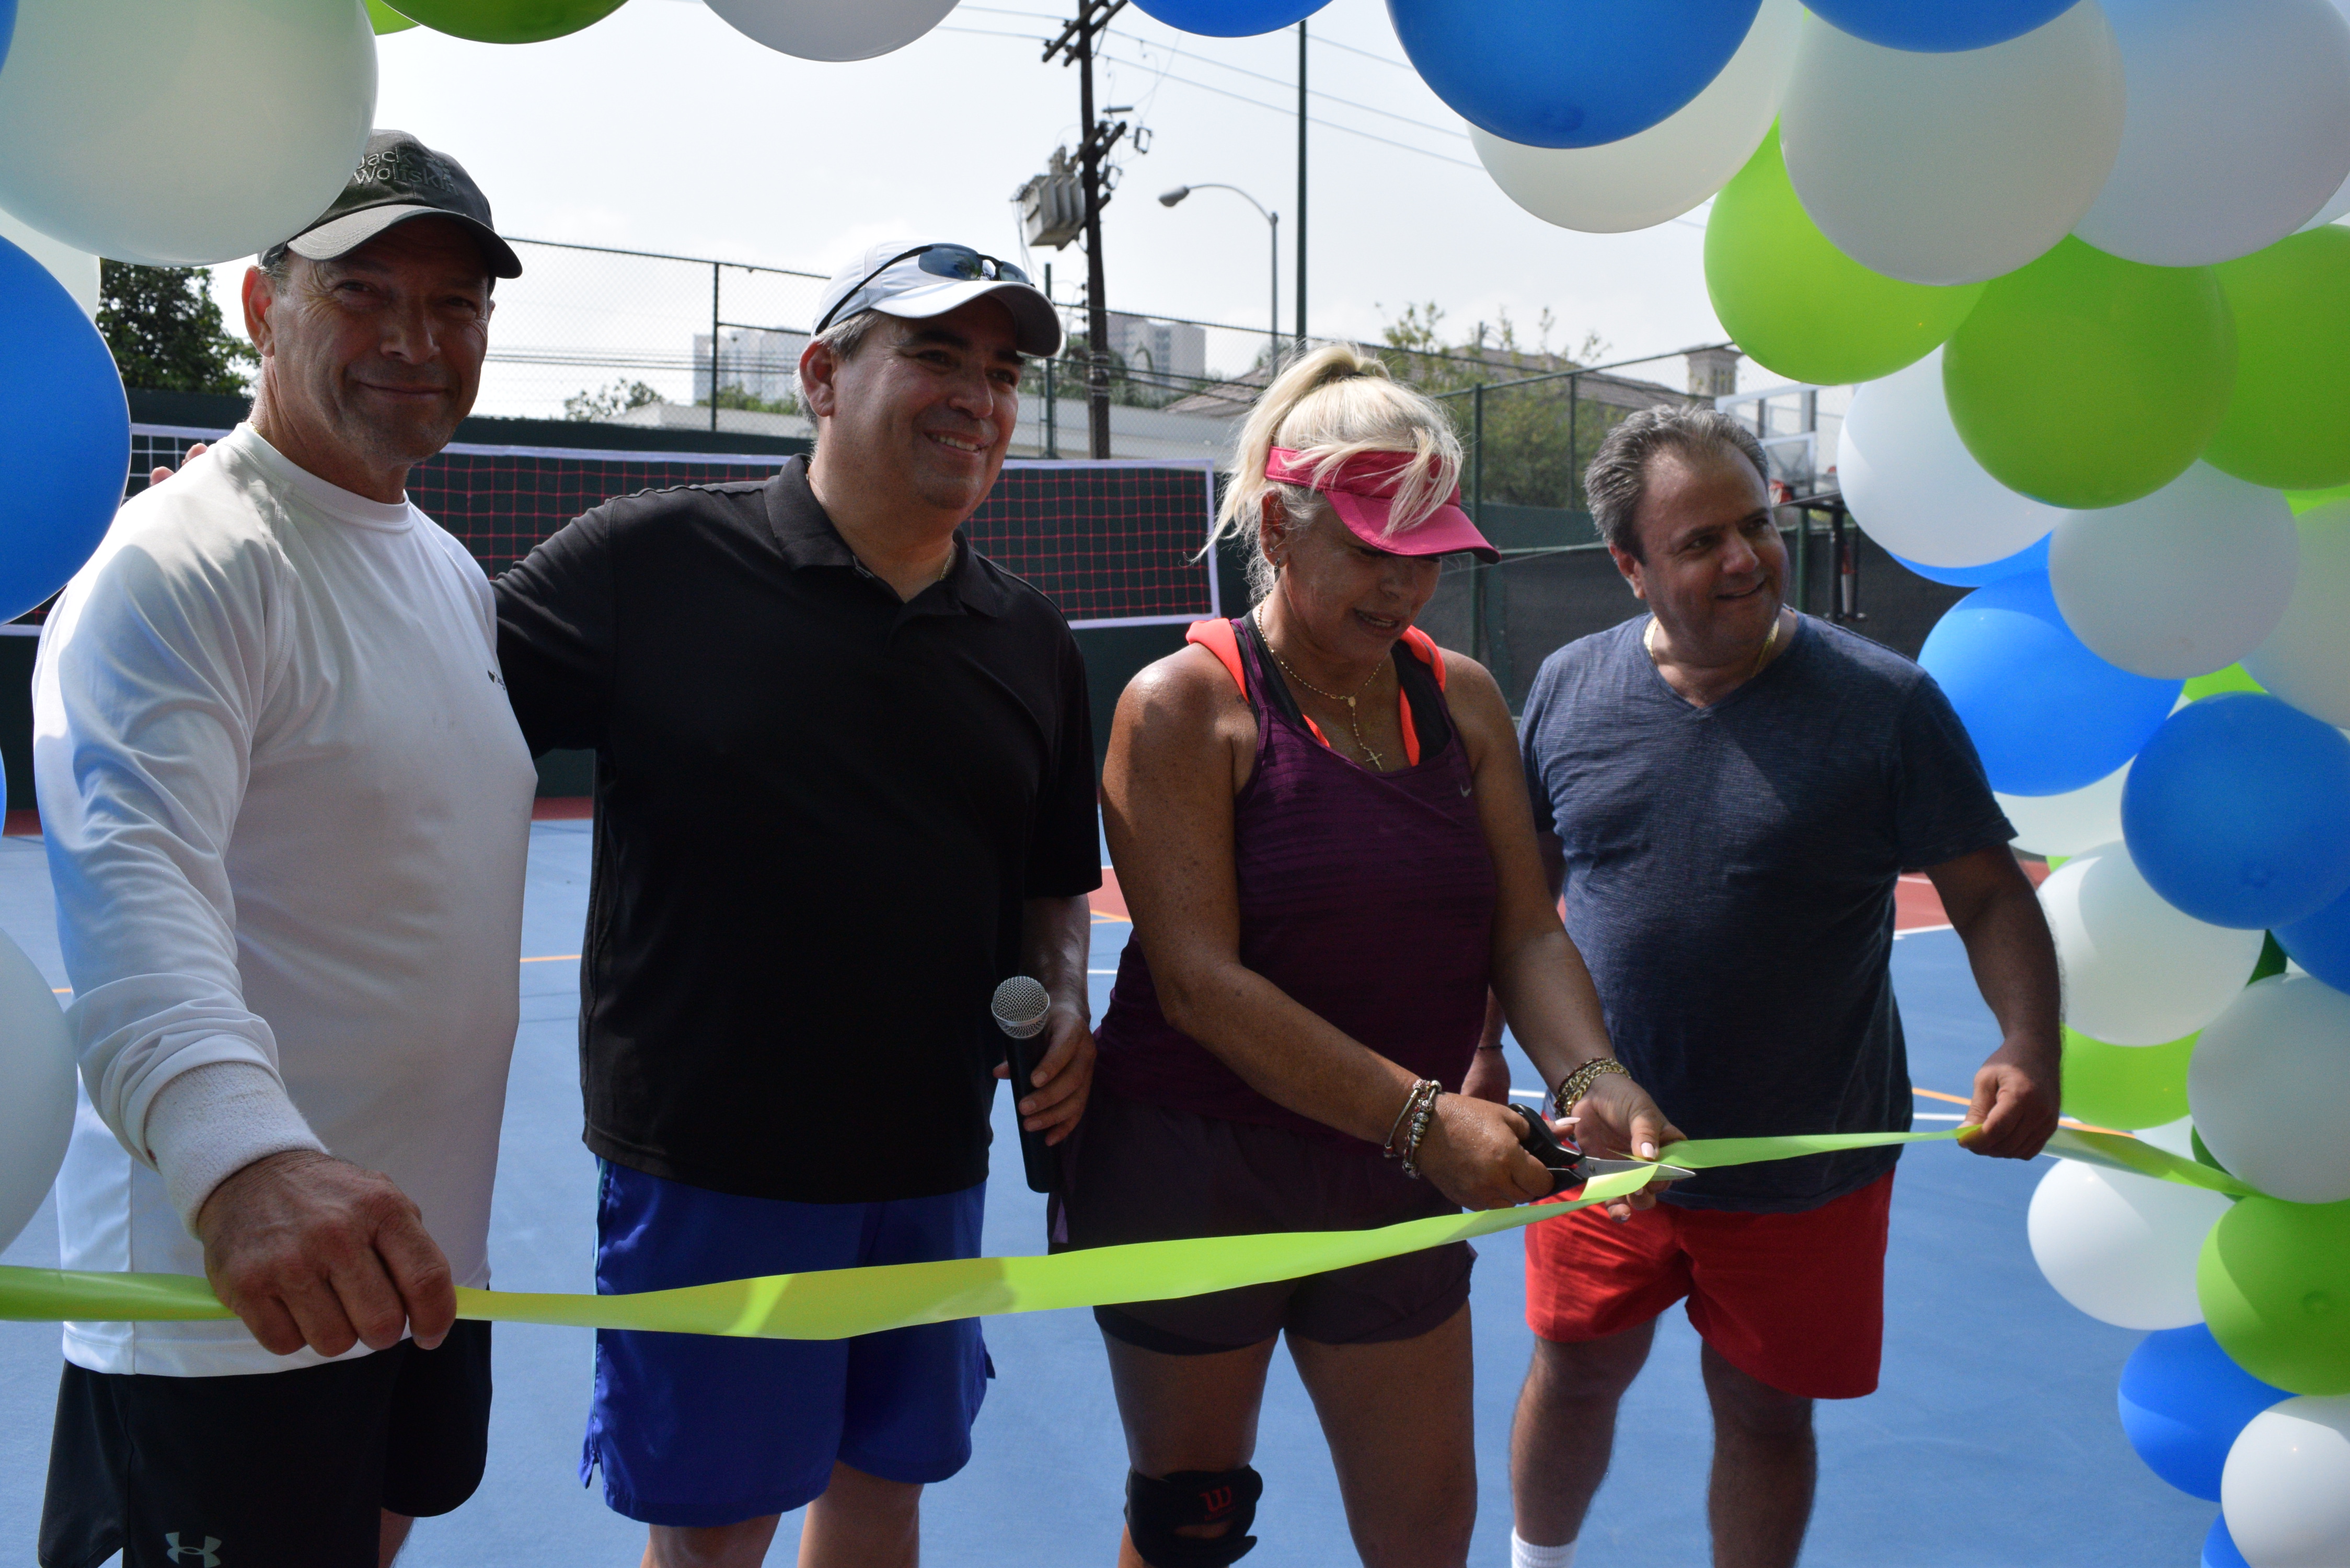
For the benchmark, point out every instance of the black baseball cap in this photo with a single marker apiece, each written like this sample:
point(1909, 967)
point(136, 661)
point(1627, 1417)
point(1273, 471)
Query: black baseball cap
point(400, 177)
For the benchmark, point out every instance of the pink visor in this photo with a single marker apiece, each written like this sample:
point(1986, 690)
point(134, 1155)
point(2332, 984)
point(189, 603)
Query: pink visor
point(1362, 492)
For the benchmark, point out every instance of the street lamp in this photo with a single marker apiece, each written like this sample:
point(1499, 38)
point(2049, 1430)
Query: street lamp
point(1272, 224)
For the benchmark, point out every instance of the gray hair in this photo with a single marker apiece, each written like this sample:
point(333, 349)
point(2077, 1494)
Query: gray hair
point(1618, 476)
point(847, 335)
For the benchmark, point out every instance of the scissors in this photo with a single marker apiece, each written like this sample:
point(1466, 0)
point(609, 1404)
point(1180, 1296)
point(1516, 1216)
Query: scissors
point(1570, 1167)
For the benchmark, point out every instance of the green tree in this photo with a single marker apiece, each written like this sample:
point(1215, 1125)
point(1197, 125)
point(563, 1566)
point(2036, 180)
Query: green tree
point(165, 330)
point(608, 401)
point(734, 395)
point(1537, 437)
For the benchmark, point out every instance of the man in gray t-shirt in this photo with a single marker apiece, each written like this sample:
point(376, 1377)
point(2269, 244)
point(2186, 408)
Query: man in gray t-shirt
point(1728, 793)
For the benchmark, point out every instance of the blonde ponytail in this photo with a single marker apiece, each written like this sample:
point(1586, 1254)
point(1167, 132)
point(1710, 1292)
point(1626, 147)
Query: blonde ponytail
point(1330, 405)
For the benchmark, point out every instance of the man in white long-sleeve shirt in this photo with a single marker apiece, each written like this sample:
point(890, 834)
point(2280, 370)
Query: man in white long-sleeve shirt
point(286, 808)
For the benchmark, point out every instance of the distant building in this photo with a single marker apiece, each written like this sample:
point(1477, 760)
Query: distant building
point(1171, 348)
point(763, 363)
point(1713, 372)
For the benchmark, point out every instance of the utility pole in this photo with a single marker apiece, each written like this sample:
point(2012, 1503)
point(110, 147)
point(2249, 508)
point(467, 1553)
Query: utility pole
point(1075, 43)
point(1301, 186)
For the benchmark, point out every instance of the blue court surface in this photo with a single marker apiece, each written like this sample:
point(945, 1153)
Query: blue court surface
point(1993, 1444)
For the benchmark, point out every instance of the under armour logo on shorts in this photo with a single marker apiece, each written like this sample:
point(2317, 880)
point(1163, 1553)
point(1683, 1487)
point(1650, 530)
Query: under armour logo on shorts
point(205, 1556)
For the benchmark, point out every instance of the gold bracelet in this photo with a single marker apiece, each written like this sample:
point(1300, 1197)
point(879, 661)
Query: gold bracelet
point(1576, 1086)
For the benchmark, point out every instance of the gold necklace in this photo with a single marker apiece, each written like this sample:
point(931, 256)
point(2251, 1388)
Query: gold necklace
point(1649, 643)
point(1354, 716)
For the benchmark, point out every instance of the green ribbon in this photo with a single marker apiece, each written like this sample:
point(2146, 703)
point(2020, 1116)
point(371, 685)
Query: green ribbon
point(838, 1303)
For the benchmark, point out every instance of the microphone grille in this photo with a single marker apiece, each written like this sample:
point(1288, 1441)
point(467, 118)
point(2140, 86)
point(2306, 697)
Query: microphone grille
point(1020, 1006)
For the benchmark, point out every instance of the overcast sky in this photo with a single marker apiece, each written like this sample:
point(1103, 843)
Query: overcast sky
point(663, 129)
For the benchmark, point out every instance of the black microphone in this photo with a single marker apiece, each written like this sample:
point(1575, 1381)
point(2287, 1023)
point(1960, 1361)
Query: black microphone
point(1020, 1006)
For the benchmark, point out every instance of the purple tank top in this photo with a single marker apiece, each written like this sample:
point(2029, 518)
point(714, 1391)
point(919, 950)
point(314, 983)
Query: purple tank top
point(1367, 897)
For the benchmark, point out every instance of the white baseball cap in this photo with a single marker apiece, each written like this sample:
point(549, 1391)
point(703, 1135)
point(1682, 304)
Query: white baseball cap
point(918, 279)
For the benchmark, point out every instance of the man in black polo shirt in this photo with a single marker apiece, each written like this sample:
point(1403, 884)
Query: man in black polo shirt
point(843, 786)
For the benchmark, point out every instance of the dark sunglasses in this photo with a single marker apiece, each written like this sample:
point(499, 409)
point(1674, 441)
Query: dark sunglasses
point(958, 261)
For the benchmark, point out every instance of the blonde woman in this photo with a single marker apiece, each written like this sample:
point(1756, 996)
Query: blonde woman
point(1321, 826)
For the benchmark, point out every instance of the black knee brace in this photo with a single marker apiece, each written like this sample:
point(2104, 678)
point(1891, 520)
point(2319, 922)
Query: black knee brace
point(1154, 1509)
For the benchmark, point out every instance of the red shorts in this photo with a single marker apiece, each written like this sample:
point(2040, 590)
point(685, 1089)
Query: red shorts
point(1796, 1301)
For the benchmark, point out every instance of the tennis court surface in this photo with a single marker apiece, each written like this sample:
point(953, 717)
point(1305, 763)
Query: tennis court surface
point(1993, 1444)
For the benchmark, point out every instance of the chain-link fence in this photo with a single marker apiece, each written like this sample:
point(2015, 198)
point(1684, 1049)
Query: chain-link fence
point(690, 343)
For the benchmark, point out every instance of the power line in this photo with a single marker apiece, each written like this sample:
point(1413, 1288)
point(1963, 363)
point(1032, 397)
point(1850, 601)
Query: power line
point(1283, 110)
point(1335, 44)
point(1332, 98)
point(1287, 113)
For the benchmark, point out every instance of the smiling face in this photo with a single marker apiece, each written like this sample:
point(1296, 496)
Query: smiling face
point(1712, 564)
point(920, 417)
point(1350, 599)
point(368, 361)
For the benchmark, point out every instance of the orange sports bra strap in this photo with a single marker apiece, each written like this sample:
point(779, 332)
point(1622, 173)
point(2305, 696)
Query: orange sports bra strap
point(1424, 648)
point(1216, 634)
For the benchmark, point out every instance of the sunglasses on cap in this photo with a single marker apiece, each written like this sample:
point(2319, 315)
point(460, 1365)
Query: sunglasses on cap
point(960, 263)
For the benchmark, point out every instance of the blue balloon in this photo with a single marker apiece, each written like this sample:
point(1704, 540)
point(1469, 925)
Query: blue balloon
point(1941, 27)
point(1569, 73)
point(62, 404)
point(2219, 1548)
point(2321, 943)
point(1230, 18)
point(2032, 558)
point(7, 27)
point(2183, 1401)
point(2234, 812)
point(2046, 714)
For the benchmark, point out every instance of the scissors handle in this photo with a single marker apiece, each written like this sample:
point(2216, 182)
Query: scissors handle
point(1565, 1164)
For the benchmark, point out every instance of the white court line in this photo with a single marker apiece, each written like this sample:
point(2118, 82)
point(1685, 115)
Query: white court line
point(1921, 930)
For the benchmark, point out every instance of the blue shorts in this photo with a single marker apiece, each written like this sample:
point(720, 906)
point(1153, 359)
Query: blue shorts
point(692, 1429)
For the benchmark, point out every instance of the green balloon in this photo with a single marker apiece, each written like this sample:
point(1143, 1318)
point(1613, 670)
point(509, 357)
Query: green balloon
point(2302, 500)
point(1800, 306)
point(2274, 1283)
point(2235, 678)
point(2085, 380)
point(386, 19)
point(2288, 426)
point(509, 21)
point(2124, 1088)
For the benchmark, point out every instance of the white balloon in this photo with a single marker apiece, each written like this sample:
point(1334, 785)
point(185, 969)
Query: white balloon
point(1953, 168)
point(1914, 487)
point(2172, 1137)
point(832, 29)
point(2306, 660)
point(36, 1110)
point(2180, 583)
point(2286, 1486)
point(78, 270)
point(2136, 971)
point(183, 134)
point(2269, 1085)
point(2069, 824)
point(2122, 1248)
point(2338, 203)
point(2238, 132)
point(1669, 168)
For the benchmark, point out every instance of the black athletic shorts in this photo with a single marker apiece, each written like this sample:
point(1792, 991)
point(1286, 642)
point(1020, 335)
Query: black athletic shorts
point(1135, 1171)
point(272, 1469)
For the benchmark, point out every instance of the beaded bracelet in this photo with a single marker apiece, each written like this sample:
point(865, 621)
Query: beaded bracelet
point(1419, 1121)
point(1412, 1121)
point(1576, 1084)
